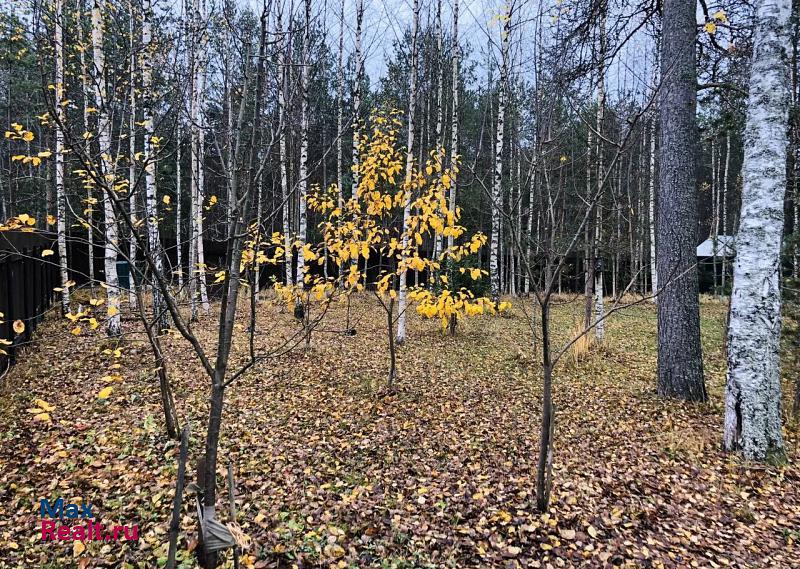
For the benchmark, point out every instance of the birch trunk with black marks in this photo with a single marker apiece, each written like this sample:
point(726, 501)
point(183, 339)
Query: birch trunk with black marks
point(358, 76)
point(61, 199)
point(680, 362)
point(412, 102)
point(106, 169)
point(437, 239)
point(454, 120)
point(132, 244)
point(151, 204)
point(87, 102)
point(753, 390)
point(303, 173)
point(497, 186)
point(599, 287)
point(651, 218)
point(283, 147)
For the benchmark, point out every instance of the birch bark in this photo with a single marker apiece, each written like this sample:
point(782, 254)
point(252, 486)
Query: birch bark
point(106, 169)
point(61, 199)
point(753, 390)
point(407, 186)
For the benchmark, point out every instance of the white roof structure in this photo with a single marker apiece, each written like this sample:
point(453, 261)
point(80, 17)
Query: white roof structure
point(725, 247)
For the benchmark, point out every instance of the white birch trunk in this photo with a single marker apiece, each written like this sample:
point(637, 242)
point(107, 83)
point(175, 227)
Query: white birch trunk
point(282, 102)
point(303, 170)
point(340, 109)
point(151, 203)
point(412, 102)
point(87, 98)
point(106, 169)
point(497, 188)
point(178, 206)
point(358, 76)
point(437, 238)
point(132, 154)
point(651, 219)
point(454, 119)
point(61, 200)
point(724, 199)
point(599, 308)
point(197, 283)
point(753, 391)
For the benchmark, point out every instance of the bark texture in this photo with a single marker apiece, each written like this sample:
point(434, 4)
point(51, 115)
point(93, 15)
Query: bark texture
point(680, 362)
point(753, 391)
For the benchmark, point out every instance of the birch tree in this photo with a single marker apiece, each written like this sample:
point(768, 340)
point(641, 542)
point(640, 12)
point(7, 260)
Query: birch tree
point(599, 310)
point(497, 188)
point(132, 192)
point(61, 199)
point(303, 173)
point(86, 92)
point(651, 204)
point(408, 186)
point(753, 389)
point(106, 170)
point(197, 280)
point(358, 76)
point(454, 119)
point(283, 87)
point(150, 148)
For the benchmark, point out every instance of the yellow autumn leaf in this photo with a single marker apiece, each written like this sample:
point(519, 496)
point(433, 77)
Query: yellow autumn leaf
point(105, 392)
point(43, 405)
point(165, 199)
point(51, 220)
point(112, 311)
point(19, 326)
point(77, 548)
point(47, 252)
point(43, 417)
point(75, 331)
point(710, 28)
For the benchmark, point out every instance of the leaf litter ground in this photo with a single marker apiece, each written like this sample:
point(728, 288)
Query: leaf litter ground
point(332, 472)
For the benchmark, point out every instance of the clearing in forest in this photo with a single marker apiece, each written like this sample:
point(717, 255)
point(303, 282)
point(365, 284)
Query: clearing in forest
point(330, 471)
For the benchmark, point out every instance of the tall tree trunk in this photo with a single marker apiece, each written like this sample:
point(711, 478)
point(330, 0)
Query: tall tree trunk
point(106, 167)
point(589, 259)
point(599, 288)
point(651, 217)
point(724, 200)
point(454, 118)
point(283, 144)
point(340, 111)
point(303, 174)
point(437, 238)
point(151, 204)
point(407, 189)
point(178, 204)
point(497, 186)
point(358, 76)
point(61, 199)
point(132, 245)
point(680, 361)
point(753, 390)
point(87, 99)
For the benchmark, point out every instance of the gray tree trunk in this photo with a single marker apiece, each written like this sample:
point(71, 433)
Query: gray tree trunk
point(680, 361)
point(753, 391)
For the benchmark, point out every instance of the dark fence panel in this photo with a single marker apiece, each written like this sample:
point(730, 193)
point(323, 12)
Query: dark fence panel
point(26, 286)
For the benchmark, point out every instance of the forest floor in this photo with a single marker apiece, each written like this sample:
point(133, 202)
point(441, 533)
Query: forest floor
point(332, 472)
